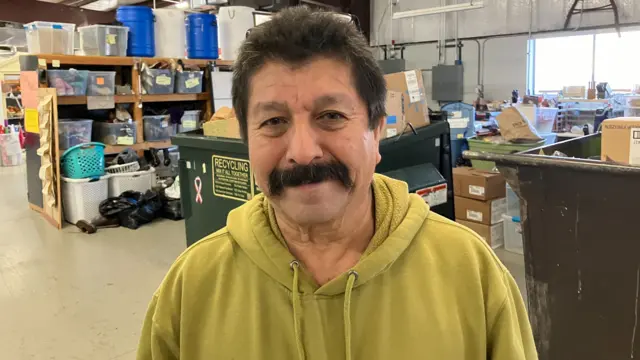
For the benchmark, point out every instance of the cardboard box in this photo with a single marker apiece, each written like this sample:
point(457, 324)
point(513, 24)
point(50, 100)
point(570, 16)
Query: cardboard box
point(411, 85)
point(621, 140)
point(492, 234)
point(477, 184)
point(394, 122)
point(223, 124)
point(485, 212)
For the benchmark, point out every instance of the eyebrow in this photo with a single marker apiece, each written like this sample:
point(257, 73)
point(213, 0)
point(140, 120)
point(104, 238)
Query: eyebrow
point(271, 106)
point(331, 99)
point(321, 102)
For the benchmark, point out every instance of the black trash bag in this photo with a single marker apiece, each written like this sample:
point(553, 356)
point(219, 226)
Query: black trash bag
point(172, 210)
point(133, 208)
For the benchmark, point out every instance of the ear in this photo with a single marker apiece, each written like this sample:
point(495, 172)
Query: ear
point(377, 136)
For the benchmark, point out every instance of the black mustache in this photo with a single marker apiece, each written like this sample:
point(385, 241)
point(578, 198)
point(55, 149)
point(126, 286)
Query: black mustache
point(298, 175)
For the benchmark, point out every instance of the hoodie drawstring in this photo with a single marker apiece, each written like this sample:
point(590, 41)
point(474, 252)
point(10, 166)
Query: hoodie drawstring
point(351, 281)
point(297, 311)
point(295, 299)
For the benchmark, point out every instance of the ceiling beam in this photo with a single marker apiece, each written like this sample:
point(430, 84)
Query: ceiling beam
point(77, 3)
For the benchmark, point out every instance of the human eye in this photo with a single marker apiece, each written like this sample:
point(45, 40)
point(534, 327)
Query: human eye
point(332, 119)
point(274, 122)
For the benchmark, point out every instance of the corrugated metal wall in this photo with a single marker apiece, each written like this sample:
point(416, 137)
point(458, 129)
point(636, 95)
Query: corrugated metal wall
point(498, 17)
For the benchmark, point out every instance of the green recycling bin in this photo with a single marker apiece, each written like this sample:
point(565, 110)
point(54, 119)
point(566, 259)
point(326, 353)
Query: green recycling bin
point(216, 176)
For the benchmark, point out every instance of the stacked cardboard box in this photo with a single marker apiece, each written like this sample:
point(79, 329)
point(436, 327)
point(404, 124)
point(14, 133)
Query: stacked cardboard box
point(406, 103)
point(480, 202)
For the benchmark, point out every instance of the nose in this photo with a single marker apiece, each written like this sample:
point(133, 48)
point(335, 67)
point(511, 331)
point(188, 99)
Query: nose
point(303, 145)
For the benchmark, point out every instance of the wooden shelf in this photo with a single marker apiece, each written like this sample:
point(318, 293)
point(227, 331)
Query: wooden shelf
point(120, 61)
point(129, 99)
point(175, 97)
point(79, 100)
point(114, 149)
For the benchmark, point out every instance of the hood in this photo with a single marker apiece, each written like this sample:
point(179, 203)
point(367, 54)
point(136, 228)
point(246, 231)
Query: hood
point(398, 217)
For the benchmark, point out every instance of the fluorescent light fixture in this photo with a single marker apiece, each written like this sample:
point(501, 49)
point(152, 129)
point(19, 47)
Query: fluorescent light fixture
point(182, 5)
point(439, 10)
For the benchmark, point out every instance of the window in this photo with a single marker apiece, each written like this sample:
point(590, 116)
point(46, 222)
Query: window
point(569, 61)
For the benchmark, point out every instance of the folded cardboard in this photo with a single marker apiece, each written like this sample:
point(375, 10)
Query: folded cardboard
point(477, 184)
point(492, 234)
point(515, 127)
point(223, 124)
point(621, 140)
point(394, 122)
point(411, 85)
point(485, 212)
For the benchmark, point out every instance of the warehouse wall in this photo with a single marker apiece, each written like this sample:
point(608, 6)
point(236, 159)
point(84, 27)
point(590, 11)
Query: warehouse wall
point(505, 66)
point(498, 17)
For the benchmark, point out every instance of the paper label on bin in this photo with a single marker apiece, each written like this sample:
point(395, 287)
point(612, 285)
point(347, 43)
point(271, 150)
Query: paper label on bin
point(476, 190)
point(101, 102)
point(55, 63)
point(392, 132)
point(100, 80)
point(31, 121)
point(112, 39)
point(413, 87)
point(634, 148)
point(125, 140)
point(189, 124)
point(164, 124)
point(232, 178)
point(163, 80)
point(498, 208)
point(434, 195)
point(474, 215)
point(191, 83)
point(458, 123)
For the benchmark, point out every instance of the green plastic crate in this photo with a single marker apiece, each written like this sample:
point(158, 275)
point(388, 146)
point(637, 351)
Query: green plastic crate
point(484, 146)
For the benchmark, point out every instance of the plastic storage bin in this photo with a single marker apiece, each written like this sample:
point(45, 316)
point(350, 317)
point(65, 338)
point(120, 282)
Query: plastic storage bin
point(158, 127)
point(134, 181)
point(190, 121)
point(545, 119)
point(104, 40)
point(513, 234)
point(101, 83)
point(485, 146)
point(189, 82)
point(115, 133)
point(68, 82)
point(632, 112)
point(158, 81)
point(50, 38)
point(81, 198)
point(10, 150)
point(72, 132)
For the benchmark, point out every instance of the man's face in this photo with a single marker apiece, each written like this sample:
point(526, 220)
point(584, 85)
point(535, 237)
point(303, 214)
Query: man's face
point(310, 145)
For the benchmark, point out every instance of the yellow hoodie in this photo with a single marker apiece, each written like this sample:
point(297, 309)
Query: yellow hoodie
point(427, 288)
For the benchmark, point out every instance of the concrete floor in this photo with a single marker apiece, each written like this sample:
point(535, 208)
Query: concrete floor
point(65, 295)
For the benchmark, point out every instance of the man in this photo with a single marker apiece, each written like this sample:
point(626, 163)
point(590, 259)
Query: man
point(332, 262)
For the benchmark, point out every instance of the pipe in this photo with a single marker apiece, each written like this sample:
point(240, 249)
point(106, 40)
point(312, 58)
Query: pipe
point(543, 32)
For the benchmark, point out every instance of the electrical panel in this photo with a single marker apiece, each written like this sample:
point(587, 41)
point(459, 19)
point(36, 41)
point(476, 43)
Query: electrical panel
point(447, 82)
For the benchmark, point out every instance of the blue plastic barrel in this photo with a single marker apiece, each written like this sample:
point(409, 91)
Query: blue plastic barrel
point(202, 36)
point(139, 20)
